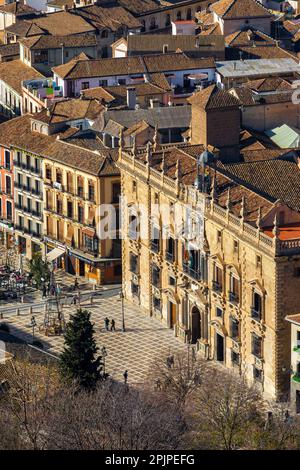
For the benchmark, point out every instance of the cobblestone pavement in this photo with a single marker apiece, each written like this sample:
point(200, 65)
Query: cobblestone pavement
point(134, 350)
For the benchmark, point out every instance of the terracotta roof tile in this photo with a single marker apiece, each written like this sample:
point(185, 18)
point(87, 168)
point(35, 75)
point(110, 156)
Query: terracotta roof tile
point(230, 9)
point(212, 97)
point(14, 71)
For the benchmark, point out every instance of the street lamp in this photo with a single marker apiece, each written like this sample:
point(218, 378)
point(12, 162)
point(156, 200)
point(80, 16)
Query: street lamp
point(122, 307)
point(104, 355)
point(33, 325)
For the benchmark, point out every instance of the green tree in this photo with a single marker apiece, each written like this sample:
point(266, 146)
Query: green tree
point(78, 361)
point(39, 269)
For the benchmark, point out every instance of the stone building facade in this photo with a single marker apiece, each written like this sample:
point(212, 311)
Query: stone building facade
point(226, 293)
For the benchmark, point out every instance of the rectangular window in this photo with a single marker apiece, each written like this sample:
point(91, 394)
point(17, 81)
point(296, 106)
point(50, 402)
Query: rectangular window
point(48, 173)
point(80, 214)
point(235, 358)
point(234, 328)
point(155, 241)
point(155, 276)
point(70, 209)
point(256, 310)
point(116, 191)
point(170, 254)
point(257, 374)
point(219, 312)
point(85, 85)
point(91, 195)
point(8, 185)
point(7, 160)
point(133, 261)
point(256, 346)
point(103, 82)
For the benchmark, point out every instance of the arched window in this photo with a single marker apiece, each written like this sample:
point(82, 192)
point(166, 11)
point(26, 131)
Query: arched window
point(179, 16)
point(104, 33)
point(168, 19)
point(189, 14)
point(143, 25)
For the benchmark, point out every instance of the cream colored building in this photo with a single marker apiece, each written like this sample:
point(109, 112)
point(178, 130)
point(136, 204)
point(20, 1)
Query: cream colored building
point(230, 293)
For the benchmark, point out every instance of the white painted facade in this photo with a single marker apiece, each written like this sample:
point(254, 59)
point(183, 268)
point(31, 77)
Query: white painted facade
point(175, 78)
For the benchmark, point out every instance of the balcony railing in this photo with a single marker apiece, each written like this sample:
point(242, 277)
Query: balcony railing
point(170, 257)
point(217, 287)
point(194, 273)
point(233, 297)
point(255, 314)
point(155, 246)
point(132, 234)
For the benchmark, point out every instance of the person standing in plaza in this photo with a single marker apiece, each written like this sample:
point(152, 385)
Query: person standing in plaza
point(106, 323)
point(112, 325)
point(125, 375)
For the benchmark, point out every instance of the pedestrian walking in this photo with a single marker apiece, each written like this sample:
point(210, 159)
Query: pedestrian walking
point(76, 285)
point(44, 291)
point(125, 375)
point(112, 325)
point(74, 300)
point(106, 323)
point(58, 290)
point(48, 288)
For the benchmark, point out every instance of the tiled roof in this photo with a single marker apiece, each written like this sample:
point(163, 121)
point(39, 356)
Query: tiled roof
point(244, 38)
point(293, 318)
point(17, 132)
point(249, 142)
point(131, 65)
point(160, 80)
point(7, 50)
point(275, 179)
point(212, 97)
point(17, 8)
point(110, 17)
point(230, 9)
point(63, 23)
point(259, 52)
point(14, 71)
point(155, 42)
point(24, 29)
point(117, 95)
point(166, 117)
point(70, 110)
point(138, 7)
point(213, 29)
point(268, 84)
point(188, 172)
point(47, 41)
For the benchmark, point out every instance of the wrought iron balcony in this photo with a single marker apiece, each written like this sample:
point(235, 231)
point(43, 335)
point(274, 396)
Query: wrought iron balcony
point(194, 273)
point(233, 297)
point(255, 314)
point(217, 287)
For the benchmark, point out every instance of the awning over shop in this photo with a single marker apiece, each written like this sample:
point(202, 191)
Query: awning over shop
point(54, 254)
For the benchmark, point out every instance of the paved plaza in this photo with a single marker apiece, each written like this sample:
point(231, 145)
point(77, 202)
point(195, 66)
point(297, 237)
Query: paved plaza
point(134, 350)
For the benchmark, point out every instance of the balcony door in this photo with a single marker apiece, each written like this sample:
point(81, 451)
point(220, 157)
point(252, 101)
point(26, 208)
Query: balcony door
point(219, 347)
point(172, 312)
point(196, 325)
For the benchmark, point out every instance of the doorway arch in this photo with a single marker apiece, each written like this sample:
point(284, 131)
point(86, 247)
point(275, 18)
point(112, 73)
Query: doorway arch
point(196, 325)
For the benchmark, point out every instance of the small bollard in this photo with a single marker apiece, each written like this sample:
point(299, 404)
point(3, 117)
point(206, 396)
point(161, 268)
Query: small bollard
point(22, 299)
point(18, 311)
point(92, 299)
point(94, 287)
point(1, 315)
point(30, 310)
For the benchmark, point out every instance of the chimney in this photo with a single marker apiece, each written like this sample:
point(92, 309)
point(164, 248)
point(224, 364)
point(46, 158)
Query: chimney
point(165, 48)
point(154, 103)
point(131, 97)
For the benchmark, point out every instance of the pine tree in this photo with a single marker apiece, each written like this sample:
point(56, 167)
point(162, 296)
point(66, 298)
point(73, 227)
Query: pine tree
point(39, 269)
point(78, 361)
